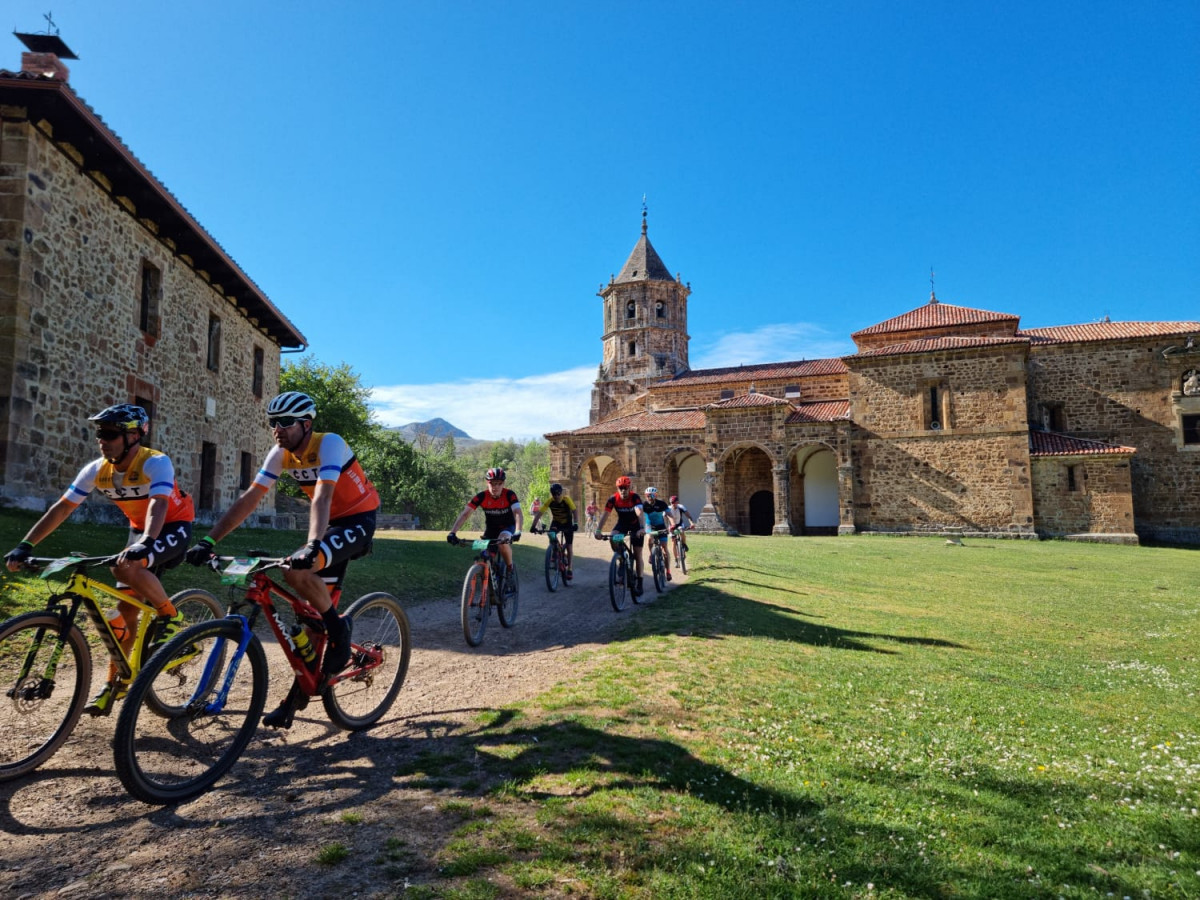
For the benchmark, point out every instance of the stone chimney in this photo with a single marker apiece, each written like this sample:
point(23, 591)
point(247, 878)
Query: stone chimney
point(46, 65)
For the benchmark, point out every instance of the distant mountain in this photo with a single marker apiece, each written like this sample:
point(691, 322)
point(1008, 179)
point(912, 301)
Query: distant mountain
point(434, 428)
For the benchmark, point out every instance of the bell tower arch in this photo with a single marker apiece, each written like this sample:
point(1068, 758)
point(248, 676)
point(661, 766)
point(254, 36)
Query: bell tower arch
point(645, 328)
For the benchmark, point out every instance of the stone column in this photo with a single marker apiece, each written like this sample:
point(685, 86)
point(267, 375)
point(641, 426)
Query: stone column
point(846, 499)
point(708, 521)
point(779, 474)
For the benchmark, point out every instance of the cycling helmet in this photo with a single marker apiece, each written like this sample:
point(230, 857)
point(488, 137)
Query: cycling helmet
point(496, 474)
point(651, 492)
point(123, 417)
point(555, 489)
point(292, 403)
point(674, 499)
point(624, 481)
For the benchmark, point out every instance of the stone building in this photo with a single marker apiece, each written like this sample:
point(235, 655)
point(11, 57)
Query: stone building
point(110, 292)
point(947, 420)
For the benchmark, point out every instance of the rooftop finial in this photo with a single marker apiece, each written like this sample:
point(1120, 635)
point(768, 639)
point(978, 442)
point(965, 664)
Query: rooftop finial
point(643, 213)
point(932, 296)
point(51, 28)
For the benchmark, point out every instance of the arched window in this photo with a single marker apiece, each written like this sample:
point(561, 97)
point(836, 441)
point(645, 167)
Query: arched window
point(660, 310)
point(630, 309)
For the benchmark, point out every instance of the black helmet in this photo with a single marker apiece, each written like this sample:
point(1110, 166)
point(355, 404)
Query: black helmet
point(556, 488)
point(292, 403)
point(122, 417)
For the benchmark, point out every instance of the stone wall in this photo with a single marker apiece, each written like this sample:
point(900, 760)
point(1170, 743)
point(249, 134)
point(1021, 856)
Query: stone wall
point(812, 388)
point(1083, 496)
point(71, 342)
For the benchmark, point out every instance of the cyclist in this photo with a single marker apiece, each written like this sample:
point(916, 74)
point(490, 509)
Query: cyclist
point(341, 522)
point(502, 516)
point(676, 513)
point(591, 511)
point(562, 517)
point(630, 518)
point(656, 514)
point(142, 483)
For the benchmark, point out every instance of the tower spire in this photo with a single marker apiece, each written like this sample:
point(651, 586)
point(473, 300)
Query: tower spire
point(643, 213)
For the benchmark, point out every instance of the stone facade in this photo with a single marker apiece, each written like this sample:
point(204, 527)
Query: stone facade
point(111, 293)
point(948, 420)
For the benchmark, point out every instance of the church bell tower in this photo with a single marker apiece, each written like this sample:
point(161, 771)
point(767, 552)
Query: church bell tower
point(645, 329)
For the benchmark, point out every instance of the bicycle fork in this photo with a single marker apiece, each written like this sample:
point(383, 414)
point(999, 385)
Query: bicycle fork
point(206, 678)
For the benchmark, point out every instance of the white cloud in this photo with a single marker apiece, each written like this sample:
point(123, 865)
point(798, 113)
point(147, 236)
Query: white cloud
point(493, 408)
point(770, 343)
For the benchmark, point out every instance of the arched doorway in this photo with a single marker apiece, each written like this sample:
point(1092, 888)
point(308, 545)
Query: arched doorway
point(813, 490)
point(747, 472)
point(762, 512)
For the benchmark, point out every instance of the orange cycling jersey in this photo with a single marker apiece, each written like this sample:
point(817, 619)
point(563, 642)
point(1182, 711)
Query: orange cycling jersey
point(327, 457)
point(150, 475)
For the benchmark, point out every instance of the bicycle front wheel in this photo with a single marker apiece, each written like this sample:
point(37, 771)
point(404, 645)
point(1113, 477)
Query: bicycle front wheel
point(552, 567)
point(168, 760)
point(658, 567)
point(475, 604)
point(169, 697)
point(41, 700)
point(379, 663)
point(681, 555)
point(506, 609)
point(617, 582)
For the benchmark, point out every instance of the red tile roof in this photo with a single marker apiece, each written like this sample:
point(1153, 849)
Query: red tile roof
point(936, 314)
point(747, 400)
point(928, 345)
point(686, 420)
point(821, 411)
point(795, 369)
point(1049, 443)
point(1108, 331)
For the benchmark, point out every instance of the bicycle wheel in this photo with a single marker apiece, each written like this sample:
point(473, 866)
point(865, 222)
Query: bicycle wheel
point(382, 646)
point(506, 609)
point(169, 696)
point(658, 567)
point(552, 567)
point(681, 555)
point(39, 709)
point(168, 760)
point(617, 587)
point(475, 604)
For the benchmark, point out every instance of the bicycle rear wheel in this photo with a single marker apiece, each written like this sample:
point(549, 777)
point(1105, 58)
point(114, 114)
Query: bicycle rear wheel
point(617, 582)
point(658, 566)
point(169, 696)
point(379, 663)
point(38, 708)
point(506, 608)
point(475, 604)
point(168, 760)
point(552, 567)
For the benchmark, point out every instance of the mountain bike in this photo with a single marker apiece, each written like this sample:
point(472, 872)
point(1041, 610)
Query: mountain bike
point(622, 571)
point(486, 587)
point(46, 662)
point(658, 562)
point(556, 558)
point(679, 548)
point(165, 761)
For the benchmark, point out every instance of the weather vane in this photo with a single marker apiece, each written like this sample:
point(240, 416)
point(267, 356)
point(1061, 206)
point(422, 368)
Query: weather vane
point(51, 28)
point(932, 295)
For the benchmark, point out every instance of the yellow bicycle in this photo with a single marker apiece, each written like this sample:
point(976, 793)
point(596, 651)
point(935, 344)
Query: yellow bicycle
point(46, 663)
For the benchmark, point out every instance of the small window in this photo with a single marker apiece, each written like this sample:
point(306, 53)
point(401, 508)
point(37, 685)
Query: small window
point(148, 405)
point(1072, 479)
point(660, 310)
point(633, 348)
point(214, 343)
point(208, 476)
point(791, 391)
point(727, 394)
point(1191, 429)
point(247, 473)
point(149, 319)
point(1053, 418)
point(630, 310)
point(935, 407)
point(257, 378)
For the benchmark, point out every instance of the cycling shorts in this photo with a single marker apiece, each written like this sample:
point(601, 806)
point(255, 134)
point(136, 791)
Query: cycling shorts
point(634, 537)
point(345, 539)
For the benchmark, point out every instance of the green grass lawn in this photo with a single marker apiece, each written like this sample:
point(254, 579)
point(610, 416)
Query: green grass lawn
point(858, 717)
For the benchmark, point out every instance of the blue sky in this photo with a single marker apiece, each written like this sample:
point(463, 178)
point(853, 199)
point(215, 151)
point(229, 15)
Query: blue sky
point(434, 192)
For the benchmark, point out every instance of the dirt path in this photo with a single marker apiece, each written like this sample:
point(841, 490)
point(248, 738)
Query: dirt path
point(70, 830)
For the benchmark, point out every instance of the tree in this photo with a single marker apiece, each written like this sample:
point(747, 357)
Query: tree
point(423, 484)
point(339, 393)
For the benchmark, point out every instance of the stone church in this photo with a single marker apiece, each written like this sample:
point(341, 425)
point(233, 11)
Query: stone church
point(947, 420)
point(111, 292)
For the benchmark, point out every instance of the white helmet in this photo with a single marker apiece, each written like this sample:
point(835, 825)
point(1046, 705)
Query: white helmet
point(292, 403)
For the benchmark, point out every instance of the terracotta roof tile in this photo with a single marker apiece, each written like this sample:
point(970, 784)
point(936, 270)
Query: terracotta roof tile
point(795, 369)
point(1050, 443)
point(928, 345)
point(821, 411)
point(936, 314)
point(1107, 331)
point(745, 401)
point(686, 420)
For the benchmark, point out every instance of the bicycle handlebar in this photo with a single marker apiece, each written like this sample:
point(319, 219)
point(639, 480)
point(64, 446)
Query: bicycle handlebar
point(492, 542)
point(37, 563)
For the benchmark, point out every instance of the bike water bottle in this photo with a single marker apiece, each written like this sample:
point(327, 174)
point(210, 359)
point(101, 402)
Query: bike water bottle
point(304, 646)
point(116, 624)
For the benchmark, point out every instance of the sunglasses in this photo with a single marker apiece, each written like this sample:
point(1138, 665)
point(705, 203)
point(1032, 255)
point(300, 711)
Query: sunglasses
point(108, 434)
point(283, 421)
